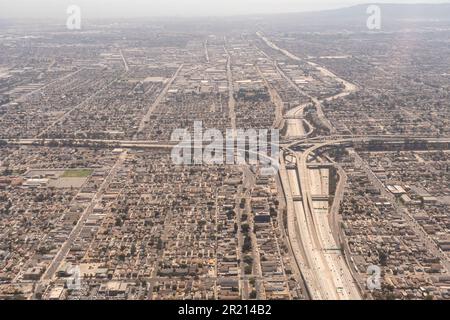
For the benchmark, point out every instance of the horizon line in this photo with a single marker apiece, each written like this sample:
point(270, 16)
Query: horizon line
point(231, 15)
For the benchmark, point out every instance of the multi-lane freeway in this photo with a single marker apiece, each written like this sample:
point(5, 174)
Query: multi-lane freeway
point(321, 261)
point(311, 222)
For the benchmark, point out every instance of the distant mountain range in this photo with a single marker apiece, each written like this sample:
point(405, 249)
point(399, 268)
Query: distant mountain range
point(397, 11)
point(392, 15)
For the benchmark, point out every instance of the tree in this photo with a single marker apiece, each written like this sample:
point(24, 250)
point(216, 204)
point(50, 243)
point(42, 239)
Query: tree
point(383, 257)
point(160, 245)
point(248, 259)
point(247, 246)
point(248, 269)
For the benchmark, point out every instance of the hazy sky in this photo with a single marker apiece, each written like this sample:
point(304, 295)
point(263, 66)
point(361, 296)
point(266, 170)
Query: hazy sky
point(150, 8)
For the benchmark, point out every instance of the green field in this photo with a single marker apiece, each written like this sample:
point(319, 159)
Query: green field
point(81, 173)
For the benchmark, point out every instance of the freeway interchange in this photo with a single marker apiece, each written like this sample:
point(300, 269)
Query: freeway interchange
point(318, 256)
point(312, 226)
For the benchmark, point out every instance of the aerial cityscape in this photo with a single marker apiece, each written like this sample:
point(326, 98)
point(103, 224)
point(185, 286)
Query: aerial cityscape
point(285, 156)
